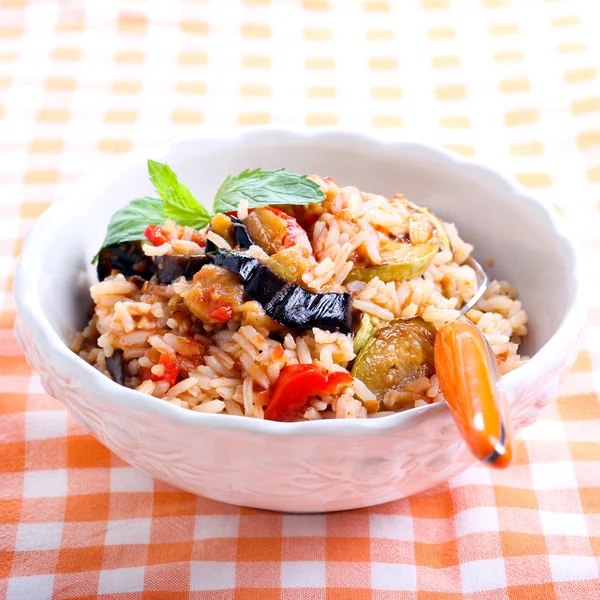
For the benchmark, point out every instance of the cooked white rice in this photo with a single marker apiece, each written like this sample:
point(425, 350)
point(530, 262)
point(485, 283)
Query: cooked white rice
point(231, 370)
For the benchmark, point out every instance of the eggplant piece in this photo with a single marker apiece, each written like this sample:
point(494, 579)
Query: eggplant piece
point(127, 258)
point(240, 233)
point(172, 266)
point(242, 237)
point(291, 263)
point(210, 247)
point(286, 302)
point(222, 225)
point(240, 264)
point(273, 229)
point(216, 294)
point(116, 366)
point(267, 228)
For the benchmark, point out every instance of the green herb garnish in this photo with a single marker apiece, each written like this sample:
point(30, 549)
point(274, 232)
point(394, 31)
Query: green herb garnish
point(260, 188)
point(179, 203)
point(128, 223)
point(266, 188)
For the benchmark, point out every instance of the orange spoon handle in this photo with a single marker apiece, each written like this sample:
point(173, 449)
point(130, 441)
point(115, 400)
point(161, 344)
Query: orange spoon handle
point(468, 378)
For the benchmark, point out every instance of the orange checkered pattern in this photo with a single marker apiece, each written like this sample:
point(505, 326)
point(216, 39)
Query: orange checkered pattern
point(512, 82)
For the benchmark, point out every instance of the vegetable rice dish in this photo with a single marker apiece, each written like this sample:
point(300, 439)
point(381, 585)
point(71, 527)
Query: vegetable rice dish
point(293, 299)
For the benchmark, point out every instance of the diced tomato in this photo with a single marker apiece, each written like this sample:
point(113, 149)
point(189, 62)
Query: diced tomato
point(222, 313)
point(198, 239)
point(171, 369)
point(296, 384)
point(156, 235)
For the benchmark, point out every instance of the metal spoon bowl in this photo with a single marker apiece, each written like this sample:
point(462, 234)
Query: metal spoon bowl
point(482, 283)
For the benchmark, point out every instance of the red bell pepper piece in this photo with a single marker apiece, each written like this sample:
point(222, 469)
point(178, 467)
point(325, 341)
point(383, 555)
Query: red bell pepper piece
point(171, 369)
point(156, 235)
point(296, 384)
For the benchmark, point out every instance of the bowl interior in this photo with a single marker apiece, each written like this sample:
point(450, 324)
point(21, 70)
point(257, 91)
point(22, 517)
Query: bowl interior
point(502, 224)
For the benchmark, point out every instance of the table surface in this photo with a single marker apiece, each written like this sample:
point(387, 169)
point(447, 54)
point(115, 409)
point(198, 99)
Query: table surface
point(513, 83)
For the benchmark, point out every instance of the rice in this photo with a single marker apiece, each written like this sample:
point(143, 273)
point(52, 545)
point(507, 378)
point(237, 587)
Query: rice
point(218, 240)
point(242, 211)
point(182, 386)
point(211, 406)
point(186, 247)
point(232, 368)
point(157, 250)
point(362, 391)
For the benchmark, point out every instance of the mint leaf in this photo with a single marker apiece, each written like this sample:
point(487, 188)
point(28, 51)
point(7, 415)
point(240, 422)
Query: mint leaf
point(179, 203)
point(260, 188)
point(128, 223)
point(266, 188)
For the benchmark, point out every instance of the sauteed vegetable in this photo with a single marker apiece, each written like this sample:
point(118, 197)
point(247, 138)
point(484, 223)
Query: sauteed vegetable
point(294, 298)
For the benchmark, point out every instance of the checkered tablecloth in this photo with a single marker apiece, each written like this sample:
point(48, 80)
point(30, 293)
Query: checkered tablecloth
point(512, 82)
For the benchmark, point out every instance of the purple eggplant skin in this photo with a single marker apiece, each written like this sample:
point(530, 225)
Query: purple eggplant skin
point(173, 266)
point(286, 302)
point(243, 241)
point(242, 237)
point(127, 258)
point(210, 247)
point(116, 366)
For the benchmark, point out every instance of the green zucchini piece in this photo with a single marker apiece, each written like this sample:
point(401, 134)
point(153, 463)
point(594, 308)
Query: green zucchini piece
point(436, 222)
point(364, 333)
point(400, 262)
point(400, 353)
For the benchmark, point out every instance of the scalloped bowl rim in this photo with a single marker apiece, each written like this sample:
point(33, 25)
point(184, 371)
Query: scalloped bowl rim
point(31, 313)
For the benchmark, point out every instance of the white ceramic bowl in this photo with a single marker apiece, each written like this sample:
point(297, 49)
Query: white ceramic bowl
point(312, 466)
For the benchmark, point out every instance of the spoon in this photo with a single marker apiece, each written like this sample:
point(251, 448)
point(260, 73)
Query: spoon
point(482, 283)
point(468, 378)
